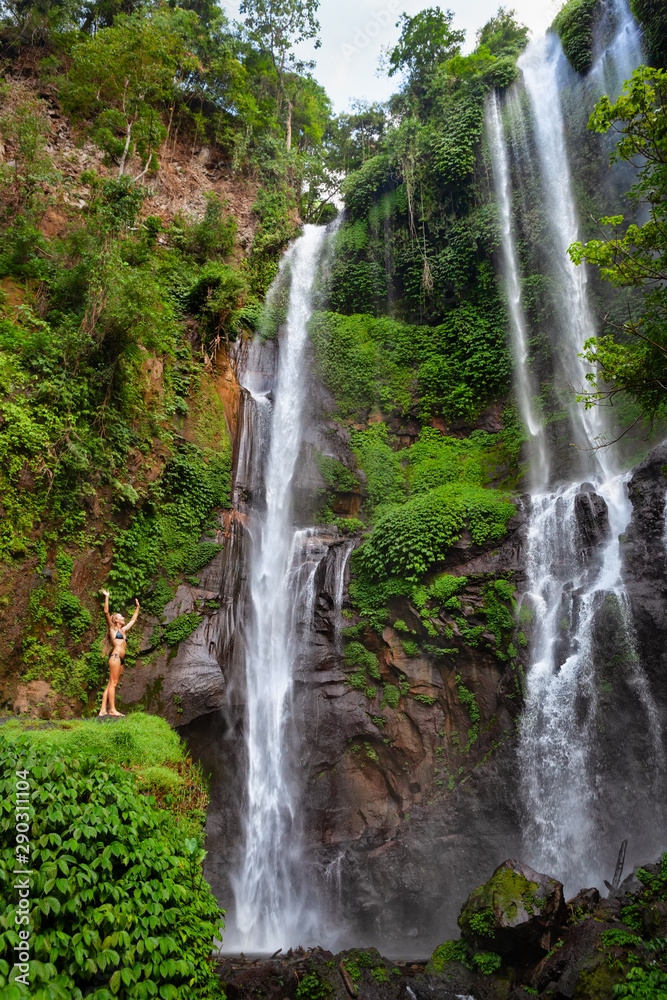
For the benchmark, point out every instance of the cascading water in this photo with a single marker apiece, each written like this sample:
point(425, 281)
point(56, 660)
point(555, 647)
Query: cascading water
point(524, 388)
point(270, 900)
point(573, 558)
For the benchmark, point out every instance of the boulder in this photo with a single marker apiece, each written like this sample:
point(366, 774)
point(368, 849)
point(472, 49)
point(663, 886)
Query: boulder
point(581, 967)
point(592, 517)
point(518, 912)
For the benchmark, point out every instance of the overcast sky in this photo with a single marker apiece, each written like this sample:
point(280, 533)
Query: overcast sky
point(355, 31)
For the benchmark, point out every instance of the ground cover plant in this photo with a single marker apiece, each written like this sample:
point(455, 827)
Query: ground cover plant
point(118, 906)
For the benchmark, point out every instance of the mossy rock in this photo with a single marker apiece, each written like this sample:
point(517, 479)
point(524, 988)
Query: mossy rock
point(574, 24)
point(517, 911)
point(596, 982)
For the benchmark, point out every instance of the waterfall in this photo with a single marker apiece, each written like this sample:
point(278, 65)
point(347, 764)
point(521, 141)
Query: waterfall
point(270, 898)
point(574, 589)
point(524, 387)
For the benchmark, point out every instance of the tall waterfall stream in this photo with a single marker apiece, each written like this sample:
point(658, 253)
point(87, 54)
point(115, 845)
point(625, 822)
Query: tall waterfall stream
point(271, 905)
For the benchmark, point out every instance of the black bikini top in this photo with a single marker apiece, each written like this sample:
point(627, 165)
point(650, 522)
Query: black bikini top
point(119, 635)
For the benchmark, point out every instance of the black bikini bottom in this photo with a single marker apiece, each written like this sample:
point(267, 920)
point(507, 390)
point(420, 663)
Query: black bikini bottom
point(121, 658)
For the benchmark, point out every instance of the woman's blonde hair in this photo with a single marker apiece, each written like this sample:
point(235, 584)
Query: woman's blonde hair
point(106, 645)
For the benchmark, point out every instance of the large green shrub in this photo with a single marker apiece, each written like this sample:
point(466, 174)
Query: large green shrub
point(408, 540)
point(118, 904)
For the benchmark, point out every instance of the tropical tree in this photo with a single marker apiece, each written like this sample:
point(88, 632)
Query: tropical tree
point(426, 41)
point(278, 26)
point(631, 255)
point(124, 78)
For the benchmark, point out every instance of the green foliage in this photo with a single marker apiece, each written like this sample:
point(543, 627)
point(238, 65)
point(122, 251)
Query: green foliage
point(115, 904)
point(435, 459)
point(203, 554)
point(142, 740)
point(57, 625)
point(123, 76)
point(450, 951)
point(642, 984)
point(620, 939)
point(632, 255)
point(391, 695)
point(652, 16)
point(487, 962)
point(312, 987)
point(410, 539)
point(25, 126)
point(352, 968)
point(426, 41)
point(336, 475)
point(217, 296)
point(370, 598)
point(210, 237)
point(574, 25)
point(410, 647)
point(384, 476)
point(483, 923)
point(163, 535)
point(444, 587)
point(277, 226)
point(357, 655)
point(160, 595)
point(367, 362)
point(180, 628)
point(467, 698)
point(499, 618)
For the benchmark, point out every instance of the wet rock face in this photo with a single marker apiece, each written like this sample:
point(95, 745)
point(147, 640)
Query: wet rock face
point(592, 518)
point(644, 554)
point(518, 912)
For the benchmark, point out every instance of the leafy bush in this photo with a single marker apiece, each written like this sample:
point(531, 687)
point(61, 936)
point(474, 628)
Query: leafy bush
point(336, 475)
point(487, 962)
point(217, 295)
point(435, 459)
point(450, 951)
point(211, 236)
point(410, 539)
point(444, 587)
point(203, 554)
point(362, 187)
point(357, 655)
point(116, 905)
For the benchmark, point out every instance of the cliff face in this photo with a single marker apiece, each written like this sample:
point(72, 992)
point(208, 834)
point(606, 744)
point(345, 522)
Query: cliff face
point(645, 565)
point(403, 806)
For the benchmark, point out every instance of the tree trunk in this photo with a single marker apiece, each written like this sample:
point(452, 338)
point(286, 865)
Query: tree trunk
point(121, 165)
point(290, 108)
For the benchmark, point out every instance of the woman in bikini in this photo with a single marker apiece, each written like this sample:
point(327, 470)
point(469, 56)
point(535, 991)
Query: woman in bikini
point(114, 646)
